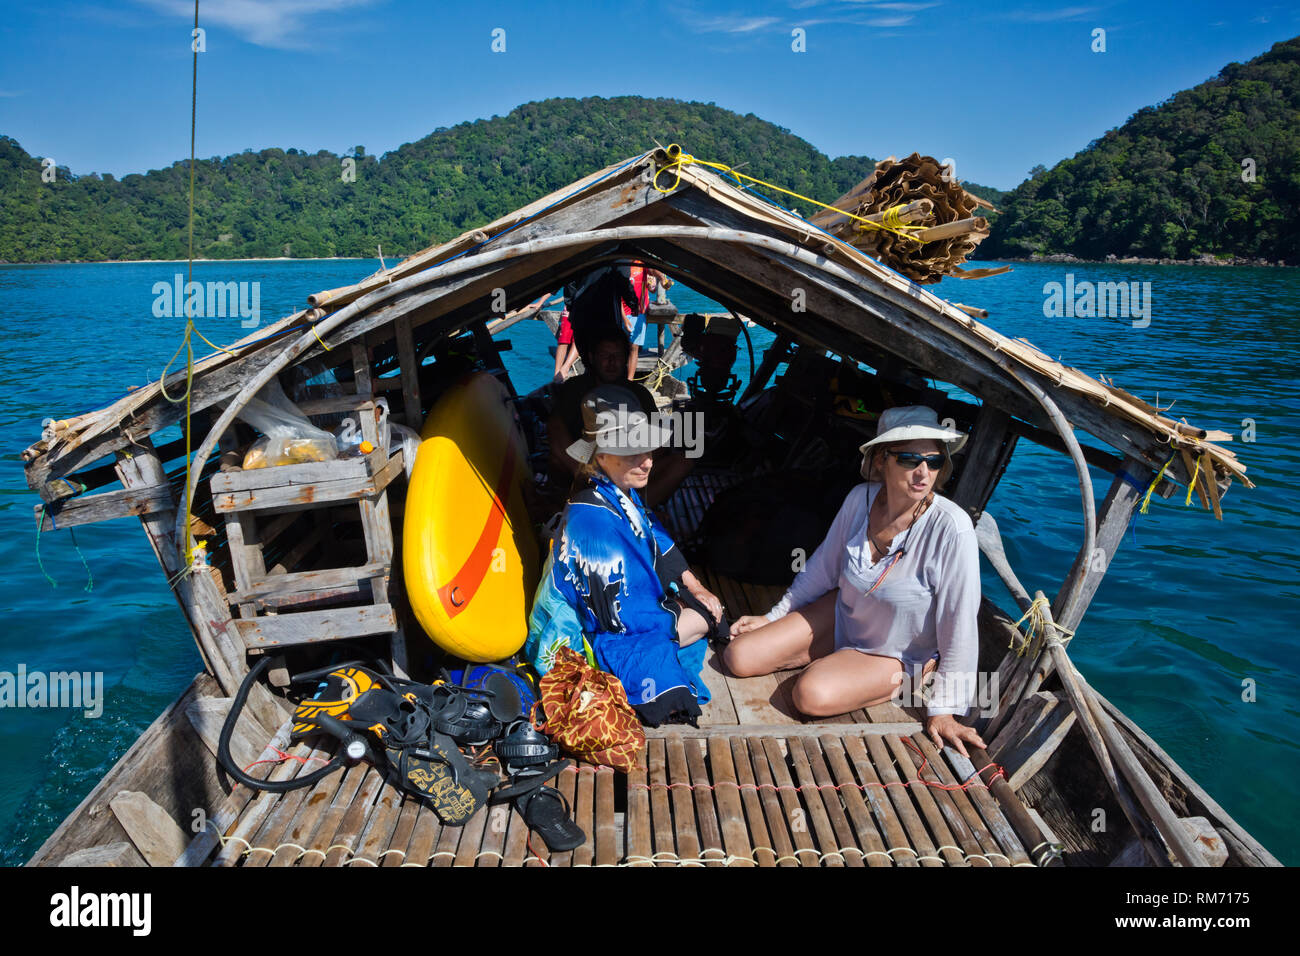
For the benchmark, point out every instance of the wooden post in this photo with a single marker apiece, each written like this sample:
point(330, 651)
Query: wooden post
point(410, 374)
point(776, 353)
point(194, 591)
point(991, 444)
point(1088, 570)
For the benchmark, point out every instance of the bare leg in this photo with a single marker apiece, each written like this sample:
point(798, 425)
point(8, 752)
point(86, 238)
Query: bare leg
point(691, 626)
point(569, 362)
point(561, 354)
point(846, 680)
point(631, 362)
point(792, 641)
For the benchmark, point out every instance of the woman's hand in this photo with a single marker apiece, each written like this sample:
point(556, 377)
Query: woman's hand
point(747, 623)
point(707, 598)
point(944, 728)
point(702, 594)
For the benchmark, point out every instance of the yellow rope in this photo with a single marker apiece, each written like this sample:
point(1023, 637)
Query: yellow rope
point(1155, 481)
point(1038, 627)
point(1191, 485)
point(678, 160)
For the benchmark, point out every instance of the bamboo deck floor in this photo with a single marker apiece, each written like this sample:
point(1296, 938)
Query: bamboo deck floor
point(753, 786)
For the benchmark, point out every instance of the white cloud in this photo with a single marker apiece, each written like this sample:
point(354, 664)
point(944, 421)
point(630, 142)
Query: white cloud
point(732, 24)
point(1048, 16)
point(271, 23)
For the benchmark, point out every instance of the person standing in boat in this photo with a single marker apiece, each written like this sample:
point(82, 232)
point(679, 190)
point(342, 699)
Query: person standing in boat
point(615, 586)
point(894, 586)
point(634, 317)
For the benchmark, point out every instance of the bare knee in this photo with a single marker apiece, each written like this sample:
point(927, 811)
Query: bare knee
point(813, 698)
point(741, 659)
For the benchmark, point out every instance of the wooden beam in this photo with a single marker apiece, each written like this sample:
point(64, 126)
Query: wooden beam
point(988, 451)
point(71, 512)
point(312, 627)
point(1085, 574)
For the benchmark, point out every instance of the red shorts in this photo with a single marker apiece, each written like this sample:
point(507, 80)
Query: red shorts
point(566, 330)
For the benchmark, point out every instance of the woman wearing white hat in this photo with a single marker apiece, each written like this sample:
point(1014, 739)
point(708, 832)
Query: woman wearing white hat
point(615, 586)
point(894, 585)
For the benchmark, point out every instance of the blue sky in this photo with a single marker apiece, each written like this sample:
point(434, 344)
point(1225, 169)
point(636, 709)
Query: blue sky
point(105, 86)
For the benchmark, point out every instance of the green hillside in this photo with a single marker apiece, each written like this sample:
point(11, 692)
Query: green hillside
point(1170, 182)
point(287, 202)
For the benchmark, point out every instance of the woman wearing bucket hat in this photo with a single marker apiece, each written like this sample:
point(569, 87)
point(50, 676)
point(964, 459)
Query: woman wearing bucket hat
point(894, 585)
point(615, 586)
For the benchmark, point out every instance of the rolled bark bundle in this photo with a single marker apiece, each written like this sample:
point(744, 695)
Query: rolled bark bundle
point(924, 255)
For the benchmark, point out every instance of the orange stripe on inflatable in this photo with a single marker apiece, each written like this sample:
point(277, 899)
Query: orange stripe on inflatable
point(456, 594)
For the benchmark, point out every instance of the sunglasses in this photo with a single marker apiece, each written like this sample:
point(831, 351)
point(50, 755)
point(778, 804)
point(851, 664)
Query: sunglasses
point(910, 459)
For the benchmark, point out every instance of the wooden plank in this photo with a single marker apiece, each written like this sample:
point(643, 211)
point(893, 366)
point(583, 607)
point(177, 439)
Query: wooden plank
point(269, 838)
point(971, 852)
point(376, 837)
point(584, 813)
point(303, 473)
point(155, 834)
point(834, 801)
point(711, 848)
point(918, 836)
point(855, 804)
point(989, 809)
point(516, 840)
point(924, 799)
point(207, 715)
point(636, 820)
point(89, 509)
point(346, 839)
point(424, 836)
point(329, 821)
point(763, 853)
point(726, 793)
point(784, 730)
point(471, 838)
point(959, 791)
point(310, 495)
point(1086, 573)
point(119, 854)
point(804, 849)
point(778, 824)
point(313, 627)
point(720, 710)
point(898, 847)
point(661, 814)
point(410, 369)
point(829, 828)
point(492, 853)
point(301, 582)
point(607, 850)
point(448, 840)
point(240, 833)
point(1029, 744)
point(753, 699)
point(680, 794)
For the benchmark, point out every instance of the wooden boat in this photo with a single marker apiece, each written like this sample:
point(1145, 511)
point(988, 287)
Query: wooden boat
point(303, 555)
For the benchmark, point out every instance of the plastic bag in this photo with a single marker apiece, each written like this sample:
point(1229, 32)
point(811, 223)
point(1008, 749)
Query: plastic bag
point(410, 443)
point(289, 437)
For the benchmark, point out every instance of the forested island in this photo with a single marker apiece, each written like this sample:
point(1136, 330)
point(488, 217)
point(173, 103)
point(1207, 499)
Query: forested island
point(1213, 171)
point(287, 202)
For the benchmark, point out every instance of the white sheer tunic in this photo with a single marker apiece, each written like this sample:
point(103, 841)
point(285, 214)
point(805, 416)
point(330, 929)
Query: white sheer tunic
point(926, 605)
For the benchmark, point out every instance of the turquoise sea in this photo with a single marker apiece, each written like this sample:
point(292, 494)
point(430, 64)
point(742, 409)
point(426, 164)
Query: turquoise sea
point(1192, 612)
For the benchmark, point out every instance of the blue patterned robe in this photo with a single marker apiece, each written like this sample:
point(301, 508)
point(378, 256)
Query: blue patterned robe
point(608, 581)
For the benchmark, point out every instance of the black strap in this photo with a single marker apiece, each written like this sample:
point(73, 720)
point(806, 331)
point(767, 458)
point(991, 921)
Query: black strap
point(528, 783)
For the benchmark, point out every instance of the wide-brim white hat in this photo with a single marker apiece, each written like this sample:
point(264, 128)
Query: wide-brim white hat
point(912, 422)
point(613, 424)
